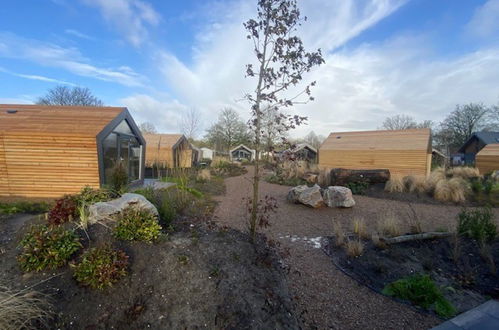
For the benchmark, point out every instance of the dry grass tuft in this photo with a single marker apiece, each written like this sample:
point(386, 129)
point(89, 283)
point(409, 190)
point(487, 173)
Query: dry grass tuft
point(453, 190)
point(360, 228)
point(464, 172)
point(204, 175)
point(434, 178)
point(389, 225)
point(377, 241)
point(354, 248)
point(21, 309)
point(395, 184)
point(339, 233)
point(414, 184)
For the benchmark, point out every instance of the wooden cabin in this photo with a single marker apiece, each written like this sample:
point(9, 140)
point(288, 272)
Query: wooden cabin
point(475, 143)
point(487, 159)
point(402, 152)
point(242, 152)
point(49, 151)
point(168, 151)
point(302, 151)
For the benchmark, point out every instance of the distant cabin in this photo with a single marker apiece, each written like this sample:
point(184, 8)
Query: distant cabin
point(242, 152)
point(168, 151)
point(301, 151)
point(206, 153)
point(487, 159)
point(49, 151)
point(403, 152)
point(475, 143)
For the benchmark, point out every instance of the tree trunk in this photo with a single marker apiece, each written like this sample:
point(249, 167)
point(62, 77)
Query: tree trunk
point(342, 176)
point(415, 237)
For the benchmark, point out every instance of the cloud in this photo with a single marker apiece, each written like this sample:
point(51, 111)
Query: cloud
point(78, 34)
point(69, 59)
point(36, 77)
point(129, 17)
point(163, 114)
point(485, 21)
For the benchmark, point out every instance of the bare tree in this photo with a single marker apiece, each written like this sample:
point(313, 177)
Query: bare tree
point(281, 62)
point(148, 128)
point(190, 123)
point(75, 96)
point(228, 131)
point(313, 139)
point(399, 122)
point(273, 129)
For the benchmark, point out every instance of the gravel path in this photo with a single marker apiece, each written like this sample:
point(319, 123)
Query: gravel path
point(325, 297)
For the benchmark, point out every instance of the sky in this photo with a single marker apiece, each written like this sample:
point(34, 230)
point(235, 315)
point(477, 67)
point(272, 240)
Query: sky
point(161, 58)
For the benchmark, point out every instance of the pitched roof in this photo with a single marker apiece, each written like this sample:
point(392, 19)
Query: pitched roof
point(485, 137)
point(49, 119)
point(164, 140)
point(244, 147)
point(301, 146)
point(409, 139)
point(490, 150)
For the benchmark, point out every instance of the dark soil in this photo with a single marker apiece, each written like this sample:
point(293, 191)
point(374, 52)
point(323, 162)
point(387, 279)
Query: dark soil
point(465, 283)
point(200, 276)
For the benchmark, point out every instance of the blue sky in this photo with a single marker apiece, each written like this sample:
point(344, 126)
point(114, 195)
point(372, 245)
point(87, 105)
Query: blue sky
point(161, 58)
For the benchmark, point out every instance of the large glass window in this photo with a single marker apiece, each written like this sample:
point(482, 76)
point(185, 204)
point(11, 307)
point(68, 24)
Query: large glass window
point(121, 146)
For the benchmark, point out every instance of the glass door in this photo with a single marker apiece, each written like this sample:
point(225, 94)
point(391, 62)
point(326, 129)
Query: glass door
point(124, 154)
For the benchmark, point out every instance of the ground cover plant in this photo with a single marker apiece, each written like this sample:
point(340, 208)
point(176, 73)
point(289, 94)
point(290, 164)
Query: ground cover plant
point(47, 247)
point(136, 224)
point(101, 267)
point(24, 207)
point(227, 169)
point(477, 224)
point(63, 211)
point(422, 291)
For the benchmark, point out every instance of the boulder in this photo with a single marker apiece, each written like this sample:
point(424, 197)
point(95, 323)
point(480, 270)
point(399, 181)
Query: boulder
point(337, 196)
point(310, 196)
point(104, 211)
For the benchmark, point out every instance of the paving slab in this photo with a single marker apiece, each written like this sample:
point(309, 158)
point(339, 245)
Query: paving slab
point(483, 317)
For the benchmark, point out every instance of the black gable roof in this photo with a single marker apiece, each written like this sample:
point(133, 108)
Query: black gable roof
point(485, 137)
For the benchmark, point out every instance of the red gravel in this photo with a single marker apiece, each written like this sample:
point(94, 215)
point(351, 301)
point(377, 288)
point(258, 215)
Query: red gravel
point(324, 296)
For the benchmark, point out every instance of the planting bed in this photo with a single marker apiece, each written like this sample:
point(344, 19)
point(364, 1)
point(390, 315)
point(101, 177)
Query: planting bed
point(465, 283)
point(200, 276)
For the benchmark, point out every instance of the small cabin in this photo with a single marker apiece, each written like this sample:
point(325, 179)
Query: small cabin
point(402, 152)
point(242, 152)
point(206, 153)
point(301, 151)
point(487, 159)
point(49, 151)
point(168, 151)
point(475, 143)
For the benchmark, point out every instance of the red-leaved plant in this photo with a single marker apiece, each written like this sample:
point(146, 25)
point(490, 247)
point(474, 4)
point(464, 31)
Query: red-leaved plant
point(63, 211)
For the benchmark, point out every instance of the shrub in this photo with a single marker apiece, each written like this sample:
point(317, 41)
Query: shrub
point(119, 178)
point(63, 211)
point(101, 267)
point(422, 291)
point(47, 247)
point(204, 175)
point(477, 224)
point(395, 184)
point(435, 176)
point(389, 225)
point(453, 190)
point(354, 248)
point(464, 172)
point(136, 224)
point(414, 184)
point(360, 228)
point(358, 187)
point(24, 207)
point(23, 309)
point(89, 196)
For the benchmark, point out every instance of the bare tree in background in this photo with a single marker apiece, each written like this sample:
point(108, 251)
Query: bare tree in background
point(281, 62)
point(273, 129)
point(229, 130)
point(147, 128)
point(399, 122)
point(73, 96)
point(190, 123)
point(314, 140)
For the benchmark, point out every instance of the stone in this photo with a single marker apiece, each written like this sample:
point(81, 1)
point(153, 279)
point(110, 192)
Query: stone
point(105, 211)
point(495, 175)
point(338, 196)
point(310, 196)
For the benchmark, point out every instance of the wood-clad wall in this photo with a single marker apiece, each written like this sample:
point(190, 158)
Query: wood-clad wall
point(45, 166)
point(487, 160)
point(399, 162)
point(165, 151)
point(4, 183)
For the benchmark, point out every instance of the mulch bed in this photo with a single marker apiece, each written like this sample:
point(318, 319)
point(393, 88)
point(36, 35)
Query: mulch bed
point(466, 284)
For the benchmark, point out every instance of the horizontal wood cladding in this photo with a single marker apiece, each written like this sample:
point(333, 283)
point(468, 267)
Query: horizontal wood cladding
point(37, 165)
point(168, 150)
point(487, 160)
point(399, 162)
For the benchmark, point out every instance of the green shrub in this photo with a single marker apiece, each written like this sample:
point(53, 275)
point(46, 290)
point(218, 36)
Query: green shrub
point(358, 188)
point(477, 224)
point(119, 178)
point(89, 196)
point(24, 207)
point(422, 291)
point(63, 211)
point(135, 224)
point(47, 247)
point(101, 267)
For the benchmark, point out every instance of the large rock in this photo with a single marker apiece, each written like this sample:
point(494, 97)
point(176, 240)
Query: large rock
point(337, 196)
point(104, 211)
point(310, 196)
